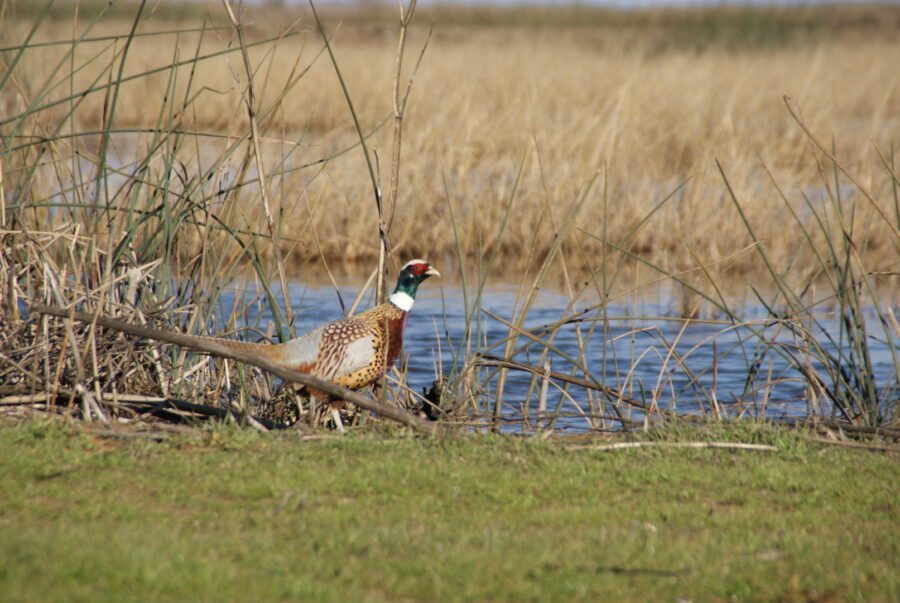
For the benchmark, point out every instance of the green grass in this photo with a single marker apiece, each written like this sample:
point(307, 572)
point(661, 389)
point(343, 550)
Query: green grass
point(232, 516)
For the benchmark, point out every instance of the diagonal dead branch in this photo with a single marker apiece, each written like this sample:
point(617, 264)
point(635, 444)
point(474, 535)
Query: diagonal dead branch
point(220, 351)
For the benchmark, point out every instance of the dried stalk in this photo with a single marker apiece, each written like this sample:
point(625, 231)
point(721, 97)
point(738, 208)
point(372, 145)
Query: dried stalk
point(586, 383)
point(385, 244)
point(869, 196)
point(2, 199)
point(249, 99)
point(399, 106)
point(542, 400)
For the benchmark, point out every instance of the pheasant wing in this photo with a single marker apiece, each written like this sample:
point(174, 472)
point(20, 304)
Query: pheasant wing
point(343, 351)
point(346, 347)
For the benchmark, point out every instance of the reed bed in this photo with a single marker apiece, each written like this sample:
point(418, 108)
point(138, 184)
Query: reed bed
point(583, 100)
point(144, 174)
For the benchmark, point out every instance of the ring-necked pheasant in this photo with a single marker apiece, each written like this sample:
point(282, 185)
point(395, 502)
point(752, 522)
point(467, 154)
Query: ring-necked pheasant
point(353, 352)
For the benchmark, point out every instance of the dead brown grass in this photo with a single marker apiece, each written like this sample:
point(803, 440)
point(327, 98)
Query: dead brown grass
point(572, 101)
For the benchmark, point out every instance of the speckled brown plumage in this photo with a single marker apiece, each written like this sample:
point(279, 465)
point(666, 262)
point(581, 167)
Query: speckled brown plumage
point(351, 352)
point(378, 333)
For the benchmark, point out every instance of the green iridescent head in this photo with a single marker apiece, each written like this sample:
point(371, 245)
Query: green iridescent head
point(411, 276)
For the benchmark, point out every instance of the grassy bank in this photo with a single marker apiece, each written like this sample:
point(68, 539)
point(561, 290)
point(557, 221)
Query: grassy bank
point(234, 516)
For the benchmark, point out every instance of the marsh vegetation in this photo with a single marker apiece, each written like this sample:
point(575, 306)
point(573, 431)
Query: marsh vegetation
point(600, 154)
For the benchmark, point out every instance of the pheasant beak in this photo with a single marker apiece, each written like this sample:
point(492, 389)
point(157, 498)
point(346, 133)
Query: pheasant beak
point(432, 272)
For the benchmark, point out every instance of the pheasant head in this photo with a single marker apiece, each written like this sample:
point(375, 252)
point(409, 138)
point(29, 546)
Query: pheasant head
point(411, 275)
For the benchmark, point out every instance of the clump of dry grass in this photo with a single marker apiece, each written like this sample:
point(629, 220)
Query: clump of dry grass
point(73, 367)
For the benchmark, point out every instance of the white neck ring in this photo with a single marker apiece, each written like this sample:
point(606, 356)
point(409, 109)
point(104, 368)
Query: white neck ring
point(402, 300)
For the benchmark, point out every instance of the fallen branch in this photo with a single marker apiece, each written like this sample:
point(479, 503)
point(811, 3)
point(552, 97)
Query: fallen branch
point(849, 430)
point(129, 435)
point(220, 351)
point(858, 445)
point(40, 398)
point(134, 400)
point(722, 445)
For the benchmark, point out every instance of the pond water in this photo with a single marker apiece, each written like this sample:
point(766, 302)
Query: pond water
point(629, 352)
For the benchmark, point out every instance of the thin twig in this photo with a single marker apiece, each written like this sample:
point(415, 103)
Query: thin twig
point(254, 134)
point(315, 235)
point(382, 228)
point(840, 166)
point(399, 112)
point(587, 383)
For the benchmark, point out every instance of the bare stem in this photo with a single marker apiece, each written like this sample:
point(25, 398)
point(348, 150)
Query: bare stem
point(399, 103)
point(385, 243)
point(254, 134)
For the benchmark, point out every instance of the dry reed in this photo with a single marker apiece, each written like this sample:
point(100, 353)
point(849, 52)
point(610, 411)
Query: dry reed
point(582, 101)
